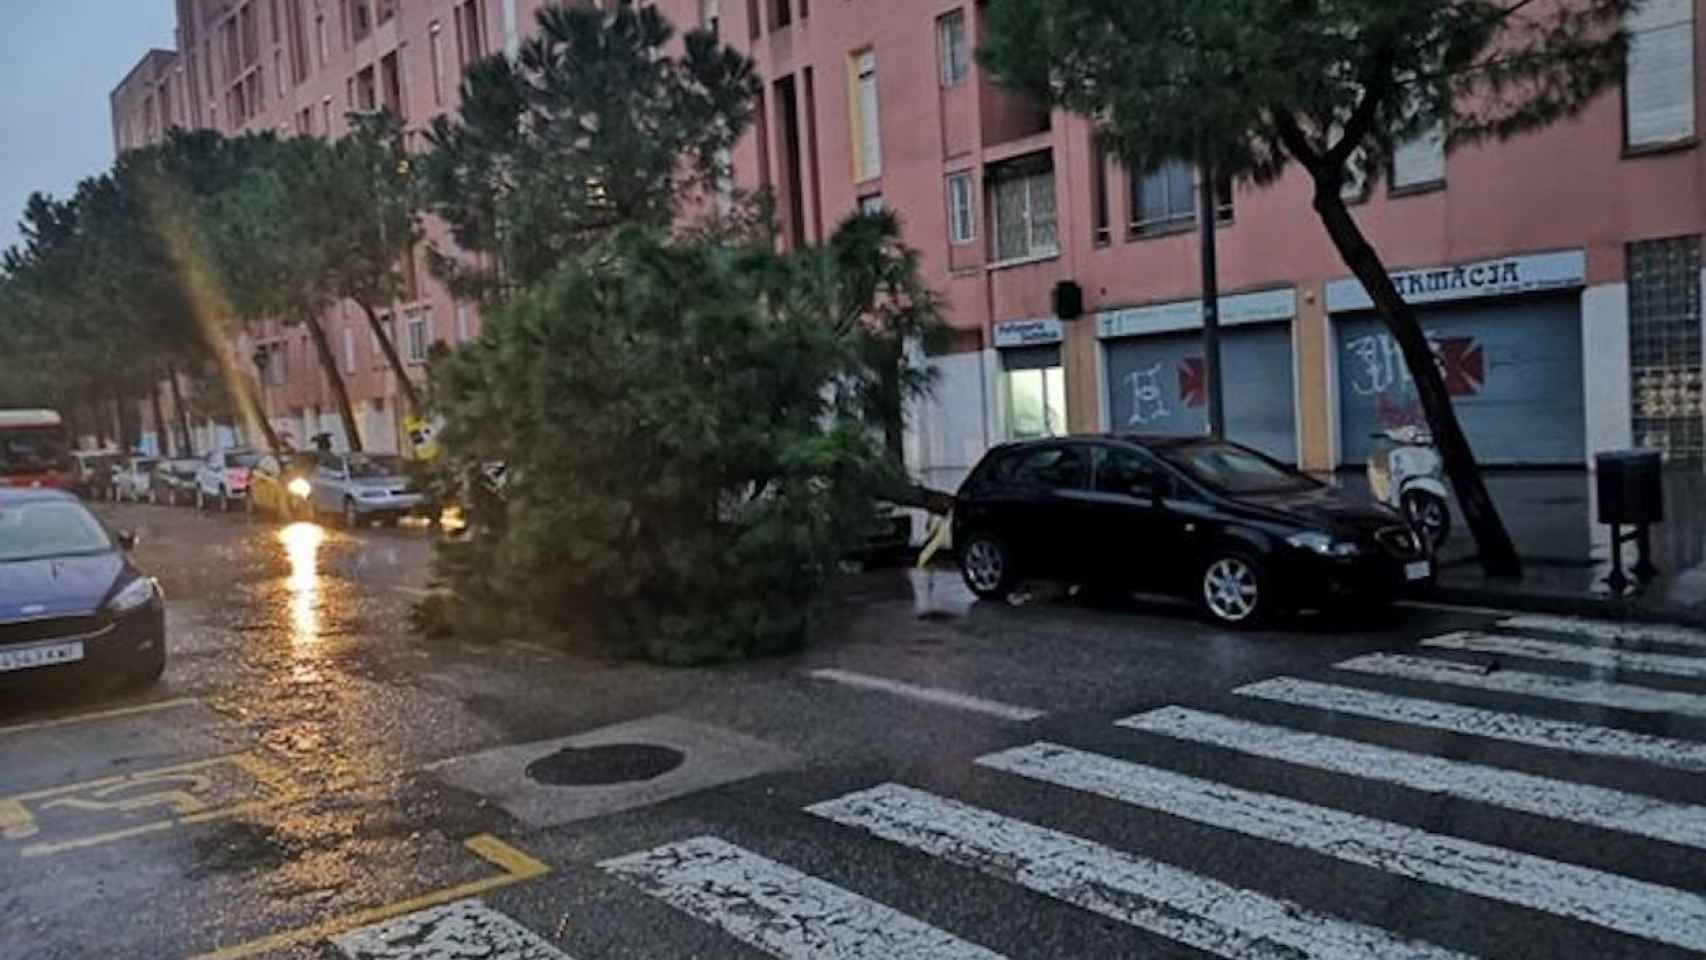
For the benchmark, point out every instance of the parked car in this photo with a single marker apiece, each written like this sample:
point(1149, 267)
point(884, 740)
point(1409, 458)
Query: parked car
point(70, 599)
point(280, 485)
point(133, 477)
point(1240, 534)
point(94, 471)
point(174, 482)
point(223, 478)
point(359, 487)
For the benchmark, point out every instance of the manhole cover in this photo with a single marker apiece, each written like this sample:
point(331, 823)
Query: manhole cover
point(612, 763)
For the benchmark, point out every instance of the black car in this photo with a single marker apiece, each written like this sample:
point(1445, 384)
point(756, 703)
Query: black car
point(69, 597)
point(1240, 534)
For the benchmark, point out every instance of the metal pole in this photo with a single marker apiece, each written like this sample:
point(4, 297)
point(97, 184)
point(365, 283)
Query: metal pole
point(1210, 298)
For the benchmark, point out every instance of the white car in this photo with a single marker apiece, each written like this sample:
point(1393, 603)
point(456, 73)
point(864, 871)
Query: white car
point(223, 479)
point(133, 479)
point(358, 487)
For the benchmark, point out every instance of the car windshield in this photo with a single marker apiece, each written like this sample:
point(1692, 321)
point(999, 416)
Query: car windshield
point(31, 450)
point(241, 458)
point(49, 528)
point(369, 467)
point(1229, 469)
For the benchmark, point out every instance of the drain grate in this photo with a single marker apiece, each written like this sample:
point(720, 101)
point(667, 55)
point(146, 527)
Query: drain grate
point(611, 763)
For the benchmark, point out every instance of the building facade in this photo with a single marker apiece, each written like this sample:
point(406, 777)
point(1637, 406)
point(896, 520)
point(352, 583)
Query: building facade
point(1558, 275)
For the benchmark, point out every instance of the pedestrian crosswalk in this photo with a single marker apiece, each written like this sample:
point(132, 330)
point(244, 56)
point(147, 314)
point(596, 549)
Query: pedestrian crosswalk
point(1491, 778)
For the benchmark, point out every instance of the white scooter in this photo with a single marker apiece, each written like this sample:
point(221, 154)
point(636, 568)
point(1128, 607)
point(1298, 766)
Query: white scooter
point(1406, 472)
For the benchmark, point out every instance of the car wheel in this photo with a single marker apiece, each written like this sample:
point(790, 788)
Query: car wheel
point(1429, 514)
point(352, 518)
point(987, 567)
point(1233, 589)
point(150, 671)
point(200, 499)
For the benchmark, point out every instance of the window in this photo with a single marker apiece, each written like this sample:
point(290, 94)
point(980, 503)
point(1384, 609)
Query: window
point(871, 203)
point(1163, 199)
point(361, 24)
point(1420, 161)
point(320, 37)
point(1053, 466)
point(1034, 392)
point(1658, 81)
point(435, 41)
point(462, 329)
point(1122, 471)
point(349, 350)
point(951, 41)
point(711, 16)
point(962, 218)
point(326, 116)
point(1668, 401)
point(417, 337)
point(1023, 209)
point(867, 129)
point(470, 33)
point(1099, 183)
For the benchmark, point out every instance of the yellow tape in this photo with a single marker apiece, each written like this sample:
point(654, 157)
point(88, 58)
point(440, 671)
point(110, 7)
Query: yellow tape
point(938, 539)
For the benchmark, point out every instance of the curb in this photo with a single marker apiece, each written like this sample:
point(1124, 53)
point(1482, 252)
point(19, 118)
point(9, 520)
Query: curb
point(1632, 609)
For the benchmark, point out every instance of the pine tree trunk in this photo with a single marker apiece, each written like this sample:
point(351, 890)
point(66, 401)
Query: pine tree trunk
point(335, 377)
point(162, 432)
point(188, 448)
point(405, 386)
point(258, 403)
point(1497, 553)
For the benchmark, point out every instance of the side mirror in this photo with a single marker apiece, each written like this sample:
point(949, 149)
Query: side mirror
point(128, 539)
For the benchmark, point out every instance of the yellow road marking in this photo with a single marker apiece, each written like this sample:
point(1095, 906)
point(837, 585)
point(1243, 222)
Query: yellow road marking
point(101, 715)
point(516, 866)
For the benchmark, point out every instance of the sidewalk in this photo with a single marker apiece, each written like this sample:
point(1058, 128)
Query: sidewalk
point(1566, 552)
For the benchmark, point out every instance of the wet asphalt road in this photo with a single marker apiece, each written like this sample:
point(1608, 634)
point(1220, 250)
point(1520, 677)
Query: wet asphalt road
point(309, 775)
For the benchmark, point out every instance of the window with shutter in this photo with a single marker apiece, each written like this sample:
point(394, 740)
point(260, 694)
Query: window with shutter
point(867, 128)
point(1023, 207)
point(1419, 161)
point(962, 218)
point(1658, 82)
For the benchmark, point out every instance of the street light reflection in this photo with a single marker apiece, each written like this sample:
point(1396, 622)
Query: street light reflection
point(302, 548)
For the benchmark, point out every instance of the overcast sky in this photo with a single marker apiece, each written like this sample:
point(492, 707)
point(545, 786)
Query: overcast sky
point(58, 61)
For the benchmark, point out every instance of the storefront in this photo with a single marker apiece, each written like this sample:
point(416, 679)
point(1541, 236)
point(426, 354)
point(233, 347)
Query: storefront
point(1155, 375)
point(1507, 336)
point(1032, 393)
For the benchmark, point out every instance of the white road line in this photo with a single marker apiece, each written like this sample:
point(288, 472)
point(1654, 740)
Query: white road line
point(1542, 796)
point(1565, 735)
point(1578, 893)
point(1606, 630)
point(464, 930)
point(1163, 899)
point(1570, 653)
point(780, 910)
point(1597, 693)
point(935, 695)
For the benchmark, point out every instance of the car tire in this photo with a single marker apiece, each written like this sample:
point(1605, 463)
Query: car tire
point(1429, 514)
point(986, 565)
point(150, 672)
point(1232, 590)
point(200, 499)
point(351, 518)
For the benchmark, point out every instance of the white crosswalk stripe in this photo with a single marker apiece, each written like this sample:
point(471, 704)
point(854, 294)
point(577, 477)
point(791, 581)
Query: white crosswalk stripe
point(780, 910)
point(1194, 910)
point(1567, 890)
point(1578, 803)
point(1607, 631)
point(1601, 657)
point(1521, 728)
point(1596, 693)
point(464, 930)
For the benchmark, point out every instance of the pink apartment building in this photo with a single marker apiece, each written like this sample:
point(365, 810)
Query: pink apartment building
point(1560, 275)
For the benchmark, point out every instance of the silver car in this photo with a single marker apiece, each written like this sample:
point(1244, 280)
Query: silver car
point(360, 487)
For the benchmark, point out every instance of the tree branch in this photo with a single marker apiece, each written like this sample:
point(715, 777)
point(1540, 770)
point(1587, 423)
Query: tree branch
point(1295, 140)
point(1376, 82)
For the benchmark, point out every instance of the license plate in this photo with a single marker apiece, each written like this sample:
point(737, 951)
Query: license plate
point(43, 656)
point(1418, 570)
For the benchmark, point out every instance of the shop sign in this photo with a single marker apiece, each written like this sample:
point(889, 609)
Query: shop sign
point(1259, 307)
point(1500, 277)
point(1029, 333)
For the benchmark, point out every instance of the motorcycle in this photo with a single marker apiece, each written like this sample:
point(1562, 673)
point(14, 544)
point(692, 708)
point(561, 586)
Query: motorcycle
point(1406, 472)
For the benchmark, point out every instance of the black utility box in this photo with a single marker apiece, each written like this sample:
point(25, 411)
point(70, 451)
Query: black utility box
point(1631, 486)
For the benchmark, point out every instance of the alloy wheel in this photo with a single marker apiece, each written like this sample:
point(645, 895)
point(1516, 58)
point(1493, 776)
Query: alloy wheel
point(985, 566)
point(1230, 590)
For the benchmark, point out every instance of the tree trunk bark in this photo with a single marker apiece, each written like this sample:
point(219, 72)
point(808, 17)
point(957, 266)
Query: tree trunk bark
point(335, 377)
point(1497, 553)
point(162, 432)
point(258, 403)
point(1210, 301)
point(187, 449)
point(405, 386)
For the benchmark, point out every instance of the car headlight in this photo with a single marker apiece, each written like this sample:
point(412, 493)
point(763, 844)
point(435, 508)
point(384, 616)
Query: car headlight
point(1323, 544)
point(136, 594)
point(299, 487)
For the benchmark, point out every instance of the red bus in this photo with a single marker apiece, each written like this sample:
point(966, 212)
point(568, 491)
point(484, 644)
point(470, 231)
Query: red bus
point(35, 450)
